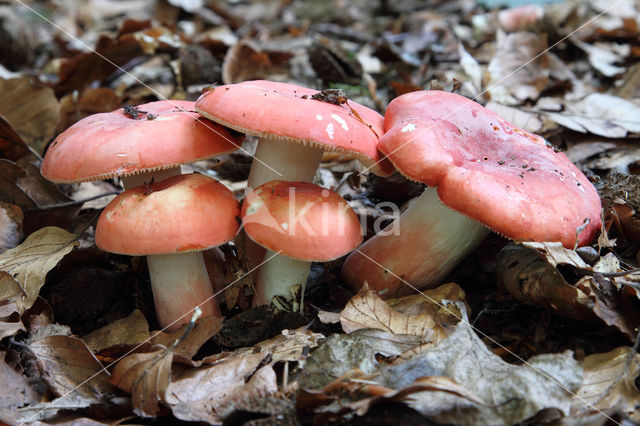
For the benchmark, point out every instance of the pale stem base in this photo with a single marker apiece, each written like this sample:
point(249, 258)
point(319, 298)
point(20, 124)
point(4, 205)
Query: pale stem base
point(277, 275)
point(180, 283)
point(430, 240)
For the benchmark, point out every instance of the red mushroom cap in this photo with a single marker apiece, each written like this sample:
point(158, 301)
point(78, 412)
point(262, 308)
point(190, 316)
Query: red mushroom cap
point(489, 170)
point(184, 213)
point(287, 112)
point(117, 144)
point(302, 220)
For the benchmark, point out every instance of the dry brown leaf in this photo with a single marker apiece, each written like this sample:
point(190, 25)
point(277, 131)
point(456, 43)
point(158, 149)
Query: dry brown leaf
point(246, 60)
point(367, 310)
point(24, 268)
point(130, 330)
point(71, 369)
point(600, 114)
point(12, 147)
point(10, 328)
point(75, 107)
point(509, 81)
point(146, 377)
point(11, 218)
point(430, 301)
point(289, 345)
point(31, 109)
point(608, 384)
point(197, 394)
point(556, 254)
point(15, 391)
point(204, 329)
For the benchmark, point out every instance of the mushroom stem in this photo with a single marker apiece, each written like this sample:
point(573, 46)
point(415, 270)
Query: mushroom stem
point(146, 177)
point(421, 247)
point(180, 283)
point(277, 160)
point(277, 275)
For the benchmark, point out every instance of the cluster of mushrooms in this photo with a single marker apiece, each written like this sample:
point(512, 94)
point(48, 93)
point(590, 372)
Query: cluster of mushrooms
point(482, 172)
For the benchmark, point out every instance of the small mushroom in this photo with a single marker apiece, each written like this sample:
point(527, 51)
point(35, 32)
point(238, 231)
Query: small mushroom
point(171, 222)
point(442, 139)
point(298, 223)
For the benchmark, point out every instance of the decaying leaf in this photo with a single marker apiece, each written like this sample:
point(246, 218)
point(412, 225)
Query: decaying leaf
point(15, 391)
point(31, 108)
point(608, 385)
point(600, 114)
point(12, 147)
point(202, 393)
point(197, 394)
point(461, 381)
point(187, 347)
point(432, 301)
point(23, 269)
point(11, 218)
point(359, 350)
point(511, 82)
point(367, 310)
point(71, 370)
point(531, 276)
point(130, 330)
point(146, 377)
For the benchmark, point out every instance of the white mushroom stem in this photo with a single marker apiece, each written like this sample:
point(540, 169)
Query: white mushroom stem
point(277, 275)
point(420, 248)
point(278, 160)
point(180, 282)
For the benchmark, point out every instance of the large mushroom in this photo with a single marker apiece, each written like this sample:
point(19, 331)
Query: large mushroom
point(483, 173)
point(171, 222)
point(298, 223)
point(295, 125)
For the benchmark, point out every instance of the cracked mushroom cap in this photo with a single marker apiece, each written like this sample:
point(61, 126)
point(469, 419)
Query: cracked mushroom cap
point(512, 181)
point(164, 134)
point(301, 220)
point(288, 113)
point(184, 213)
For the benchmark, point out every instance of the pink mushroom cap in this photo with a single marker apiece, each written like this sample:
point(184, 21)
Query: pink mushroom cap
point(111, 144)
point(184, 213)
point(287, 112)
point(510, 180)
point(301, 220)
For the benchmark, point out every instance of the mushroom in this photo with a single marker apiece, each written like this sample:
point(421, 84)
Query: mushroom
point(483, 172)
point(298, 223)
point(171, 222)
point(138, 144)
point(145, 143)
point(307, 121)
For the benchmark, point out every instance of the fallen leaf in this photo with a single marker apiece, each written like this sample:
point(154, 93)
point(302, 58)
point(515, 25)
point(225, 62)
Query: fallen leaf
point(146, 377)
point(198, 394)
point(31, 108)
point(431, 301)
point(24, 268)
point(71, 370)
point(11, 218)
point(600, 114)
point(603, 56)
point(511, 82)
point(361, 350)
point(608, 384)
point(74, 107)
point(526, 120)
point(12, 147)
point(15, 391)
point(246, 60)
point(367, 310)
point(511, 393)
point(126, 331)
point(204, 330)
point(10, 328)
